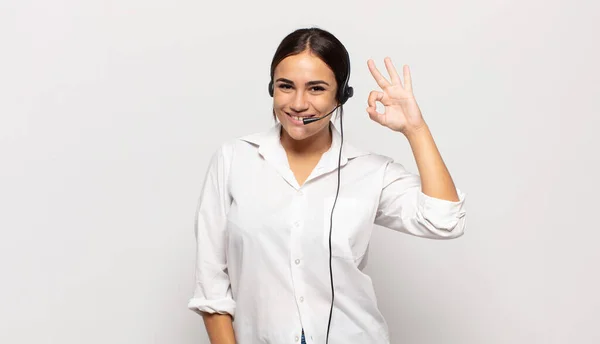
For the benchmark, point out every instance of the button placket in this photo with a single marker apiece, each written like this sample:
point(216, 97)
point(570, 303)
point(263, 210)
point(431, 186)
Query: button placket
point(296, 254)
point(297, 261)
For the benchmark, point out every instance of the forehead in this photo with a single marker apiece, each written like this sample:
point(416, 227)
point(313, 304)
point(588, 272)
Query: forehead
point(304, 66)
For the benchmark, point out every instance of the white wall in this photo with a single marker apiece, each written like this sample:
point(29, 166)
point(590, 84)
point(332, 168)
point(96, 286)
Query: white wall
point(109, 112)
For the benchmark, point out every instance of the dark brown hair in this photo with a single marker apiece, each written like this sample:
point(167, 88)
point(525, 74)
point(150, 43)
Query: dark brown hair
point(321, 43)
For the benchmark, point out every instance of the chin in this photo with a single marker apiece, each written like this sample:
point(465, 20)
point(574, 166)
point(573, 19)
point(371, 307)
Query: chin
point(298, 133)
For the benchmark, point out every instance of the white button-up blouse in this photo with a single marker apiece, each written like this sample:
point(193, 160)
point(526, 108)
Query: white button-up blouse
point(263, 239)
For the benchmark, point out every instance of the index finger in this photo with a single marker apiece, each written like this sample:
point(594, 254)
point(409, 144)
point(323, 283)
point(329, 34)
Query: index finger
point(380, 79)
point(392, 71)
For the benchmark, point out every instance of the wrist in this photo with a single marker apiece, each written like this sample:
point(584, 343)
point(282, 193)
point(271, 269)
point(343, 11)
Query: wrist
point(416, 132)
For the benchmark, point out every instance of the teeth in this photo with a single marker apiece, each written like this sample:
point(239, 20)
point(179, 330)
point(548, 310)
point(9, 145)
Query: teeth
point(297, 118)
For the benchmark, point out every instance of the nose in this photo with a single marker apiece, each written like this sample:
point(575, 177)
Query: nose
point(299, 104)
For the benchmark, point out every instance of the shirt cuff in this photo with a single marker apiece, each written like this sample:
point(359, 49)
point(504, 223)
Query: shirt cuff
point(441, 213)
point(221, 306)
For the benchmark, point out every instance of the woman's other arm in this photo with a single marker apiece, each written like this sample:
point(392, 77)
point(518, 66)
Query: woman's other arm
point(219, 328)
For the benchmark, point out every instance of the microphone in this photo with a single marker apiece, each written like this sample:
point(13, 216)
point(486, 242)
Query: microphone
point(314, 119)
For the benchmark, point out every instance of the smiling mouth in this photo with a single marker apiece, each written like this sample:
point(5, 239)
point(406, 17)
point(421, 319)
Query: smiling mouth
point(299, 118)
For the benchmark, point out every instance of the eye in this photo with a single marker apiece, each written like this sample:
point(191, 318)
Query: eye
point(288, 86)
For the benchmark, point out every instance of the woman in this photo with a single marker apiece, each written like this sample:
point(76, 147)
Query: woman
point(285, 216)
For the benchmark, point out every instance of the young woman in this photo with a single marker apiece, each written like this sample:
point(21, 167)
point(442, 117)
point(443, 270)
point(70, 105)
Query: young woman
point(285, 216)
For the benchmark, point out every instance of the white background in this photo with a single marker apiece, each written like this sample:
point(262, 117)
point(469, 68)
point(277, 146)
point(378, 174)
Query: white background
point(109, 112)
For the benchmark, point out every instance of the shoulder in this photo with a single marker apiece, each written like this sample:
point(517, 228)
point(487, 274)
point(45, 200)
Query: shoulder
point(364, 156)
point(382, 165)
point(240, 145)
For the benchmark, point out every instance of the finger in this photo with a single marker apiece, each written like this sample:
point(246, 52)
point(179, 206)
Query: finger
point(392, 71)
point(380, 79)
point(375, 116)
point(374, 96)
point(407, 79)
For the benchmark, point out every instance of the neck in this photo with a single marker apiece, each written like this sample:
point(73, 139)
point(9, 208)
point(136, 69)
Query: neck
point(317, 144)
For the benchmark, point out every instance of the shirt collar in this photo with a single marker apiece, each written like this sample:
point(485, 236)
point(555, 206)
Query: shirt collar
point(268, 143)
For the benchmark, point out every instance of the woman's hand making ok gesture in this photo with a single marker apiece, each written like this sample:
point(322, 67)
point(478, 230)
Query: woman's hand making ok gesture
point(401, 110)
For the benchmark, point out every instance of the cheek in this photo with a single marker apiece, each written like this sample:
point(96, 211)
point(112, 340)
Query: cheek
point(280, 114)
point(325, 106)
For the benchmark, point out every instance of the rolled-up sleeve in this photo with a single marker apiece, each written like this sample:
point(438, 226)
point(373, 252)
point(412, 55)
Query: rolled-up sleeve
point(405, 208)
point(212, 292)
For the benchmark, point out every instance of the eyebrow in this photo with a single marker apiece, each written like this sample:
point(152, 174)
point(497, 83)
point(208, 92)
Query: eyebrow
point(310, 83)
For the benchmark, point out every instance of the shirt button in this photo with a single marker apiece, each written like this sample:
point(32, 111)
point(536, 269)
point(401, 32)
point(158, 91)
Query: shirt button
point(301, 298)
point(297, 338)
point(297, 224)
point(300, 193)
point(297, 261)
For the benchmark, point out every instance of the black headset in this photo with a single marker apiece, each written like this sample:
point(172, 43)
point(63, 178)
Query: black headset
point(343, 94)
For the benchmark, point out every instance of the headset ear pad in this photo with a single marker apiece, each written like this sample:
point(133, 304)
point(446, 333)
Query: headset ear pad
point(271, 88)
point(348, 92)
